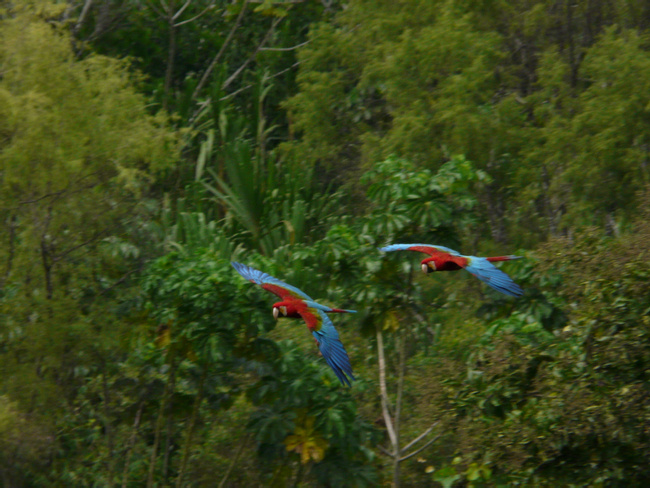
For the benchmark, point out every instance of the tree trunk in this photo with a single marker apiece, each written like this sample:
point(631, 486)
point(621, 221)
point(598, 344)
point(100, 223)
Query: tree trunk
point(129, 452)
point(169, 389)
point(108, 429)
point(190, 431)
point(171, 55)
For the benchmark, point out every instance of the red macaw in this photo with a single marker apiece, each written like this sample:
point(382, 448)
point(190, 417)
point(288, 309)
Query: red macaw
point(296, 304)
point(445, 259)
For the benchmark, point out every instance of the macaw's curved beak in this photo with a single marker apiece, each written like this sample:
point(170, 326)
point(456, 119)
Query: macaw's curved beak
point(428, 267)
point(279, 310)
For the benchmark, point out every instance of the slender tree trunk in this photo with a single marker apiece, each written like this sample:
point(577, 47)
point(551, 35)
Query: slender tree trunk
point(296, 483)
point(171, 55)
point(108, 429)
point(169, 389)
point(397, 454)
point(190, 431)
point(391, 426)
point(216, 59)
point(398, 412)
point(47, 269)
point(11, 221)
point(168, 442)
point(129, 452)
point(234, 461)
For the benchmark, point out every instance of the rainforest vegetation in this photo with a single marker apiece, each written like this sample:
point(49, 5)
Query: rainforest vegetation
point(146, 144)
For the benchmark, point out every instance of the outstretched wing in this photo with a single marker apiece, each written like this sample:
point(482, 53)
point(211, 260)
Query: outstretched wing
point(327, 309)
point(329, 343)
point(268, 282)
point(497, 279)
point(425, 248)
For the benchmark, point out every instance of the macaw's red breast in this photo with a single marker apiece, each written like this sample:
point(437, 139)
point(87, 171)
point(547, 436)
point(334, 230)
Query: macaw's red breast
point(291, 307)
point(447, 262)
point(297, 309)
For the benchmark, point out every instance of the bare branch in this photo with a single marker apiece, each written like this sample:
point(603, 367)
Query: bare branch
point(12, 221)
point(279, 73)
point(131, 443)
point(216, 59)
point(166, 8)
point(385, 451)
point(382, 386)
point(400, 391)
point(82, 16)
point(252, 56)
point(121, 280)
point(209, 7)
point(297, 46)
point(60, 256)
point(160, 13)
point(232, 463)
point(404, 458)
point(36, 200)
point(420, 437)
point(182, 9)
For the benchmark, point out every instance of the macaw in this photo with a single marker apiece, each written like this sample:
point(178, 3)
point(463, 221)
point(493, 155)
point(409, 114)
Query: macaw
point(295, 304)
point(445, 259)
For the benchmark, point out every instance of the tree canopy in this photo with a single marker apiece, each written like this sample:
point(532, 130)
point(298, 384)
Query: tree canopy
point(144, 145)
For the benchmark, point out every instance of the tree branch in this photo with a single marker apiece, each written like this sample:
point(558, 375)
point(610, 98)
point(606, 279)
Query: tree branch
point(58, 257)
point(182, 9)
point(382, 387)
point(193, 18)
point(160, 13)
point(279, 73)
point(234, 460)
point(129, 449)
point(82, 16)
point(385, 451)
point(292, 48)
point(216, 59)
point(420, 437)
point(232, 77)
point(404, 458)
point(400, 391)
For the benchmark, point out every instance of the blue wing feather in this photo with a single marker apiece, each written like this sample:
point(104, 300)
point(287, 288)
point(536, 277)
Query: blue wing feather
point(261, 278)
point(407, 247)
point(332, 350)
point(327, 336)
point(493, 276)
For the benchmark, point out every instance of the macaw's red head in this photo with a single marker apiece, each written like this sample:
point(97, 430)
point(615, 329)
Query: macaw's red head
point(429, 265)
point(277, 310)
point(285, 309)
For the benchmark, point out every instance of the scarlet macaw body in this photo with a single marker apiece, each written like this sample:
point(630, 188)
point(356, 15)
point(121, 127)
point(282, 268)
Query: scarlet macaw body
point(445, 259)
point(296, 303)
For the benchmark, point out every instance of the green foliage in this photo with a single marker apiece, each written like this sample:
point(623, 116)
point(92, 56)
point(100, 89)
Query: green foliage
point(566, 406)
point(409, 201)
point(25, 444)
point(266, 201)
point(132, 354)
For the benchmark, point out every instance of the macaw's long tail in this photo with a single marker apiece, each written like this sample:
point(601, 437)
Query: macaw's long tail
point(503, 258)
point(340, 310)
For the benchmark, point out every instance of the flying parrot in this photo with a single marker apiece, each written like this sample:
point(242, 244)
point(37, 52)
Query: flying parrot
point(297, 304)
point(445, 259)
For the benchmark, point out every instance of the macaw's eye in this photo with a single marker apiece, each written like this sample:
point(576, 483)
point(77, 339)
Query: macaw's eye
point(276, 312)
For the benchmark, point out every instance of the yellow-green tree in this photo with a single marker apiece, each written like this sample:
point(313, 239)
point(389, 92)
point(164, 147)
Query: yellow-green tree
point(78, 148)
